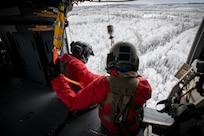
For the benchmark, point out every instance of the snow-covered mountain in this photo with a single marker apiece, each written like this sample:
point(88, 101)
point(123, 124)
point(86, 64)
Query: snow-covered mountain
point(163, 35)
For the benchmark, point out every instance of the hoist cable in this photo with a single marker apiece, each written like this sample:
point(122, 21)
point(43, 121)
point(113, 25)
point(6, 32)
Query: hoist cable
point(109, 27)
point(108, 12)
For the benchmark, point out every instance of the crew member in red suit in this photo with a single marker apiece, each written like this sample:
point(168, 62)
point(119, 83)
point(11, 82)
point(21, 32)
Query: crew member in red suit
point(122, 66)
point(74, 68)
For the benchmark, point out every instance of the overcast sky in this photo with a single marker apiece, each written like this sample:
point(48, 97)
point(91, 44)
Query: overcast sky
point(171, 1)
point(142, 2)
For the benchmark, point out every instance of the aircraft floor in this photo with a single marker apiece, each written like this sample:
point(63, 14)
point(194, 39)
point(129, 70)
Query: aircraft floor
point(29, 109)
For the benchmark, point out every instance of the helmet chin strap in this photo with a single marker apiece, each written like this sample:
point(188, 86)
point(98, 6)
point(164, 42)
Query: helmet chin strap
point(84, 59)
point(123, 57)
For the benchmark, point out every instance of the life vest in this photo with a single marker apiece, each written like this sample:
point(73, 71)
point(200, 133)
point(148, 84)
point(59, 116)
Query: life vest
point(122, 96)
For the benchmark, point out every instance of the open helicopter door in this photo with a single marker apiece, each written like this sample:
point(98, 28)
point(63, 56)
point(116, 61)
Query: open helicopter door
point(185, 102)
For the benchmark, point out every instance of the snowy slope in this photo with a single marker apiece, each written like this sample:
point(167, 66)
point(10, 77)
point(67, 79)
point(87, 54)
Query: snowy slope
point(162, 34)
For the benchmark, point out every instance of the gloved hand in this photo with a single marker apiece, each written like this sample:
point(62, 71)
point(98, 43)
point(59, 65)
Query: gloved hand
point(54, 70)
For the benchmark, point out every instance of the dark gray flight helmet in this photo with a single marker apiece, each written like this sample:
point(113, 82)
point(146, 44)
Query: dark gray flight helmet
point(81, 50)
point(123, 57)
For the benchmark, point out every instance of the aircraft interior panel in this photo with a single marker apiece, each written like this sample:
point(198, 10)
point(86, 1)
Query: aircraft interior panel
point(29, 55)
point(48, 43)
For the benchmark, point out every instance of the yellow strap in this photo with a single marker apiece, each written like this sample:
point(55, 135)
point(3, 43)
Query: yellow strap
point(59, 28)
point(58, 38)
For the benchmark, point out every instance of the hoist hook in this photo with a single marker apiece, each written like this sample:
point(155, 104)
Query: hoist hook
point(110, 32)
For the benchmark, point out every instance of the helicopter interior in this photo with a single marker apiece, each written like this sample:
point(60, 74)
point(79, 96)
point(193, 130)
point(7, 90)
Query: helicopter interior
point(30, 107)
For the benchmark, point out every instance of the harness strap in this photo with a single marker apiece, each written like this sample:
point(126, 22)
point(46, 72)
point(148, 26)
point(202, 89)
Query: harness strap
point(107, 101)
point(122, 92)
point(127, 122)
point(110, 94)
point(114, 108)
point(123, 112)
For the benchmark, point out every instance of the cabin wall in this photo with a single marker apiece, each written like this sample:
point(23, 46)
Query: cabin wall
point(27, 35)
point(34, 51)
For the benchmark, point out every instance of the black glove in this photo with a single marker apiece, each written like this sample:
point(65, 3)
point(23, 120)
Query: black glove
point(54, 70)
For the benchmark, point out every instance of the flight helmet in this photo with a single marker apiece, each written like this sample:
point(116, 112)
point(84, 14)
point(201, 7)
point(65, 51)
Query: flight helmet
point(81, 50)
point(123, 57)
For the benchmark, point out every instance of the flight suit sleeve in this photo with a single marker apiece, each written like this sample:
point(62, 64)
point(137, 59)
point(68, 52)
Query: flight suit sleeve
point(79, 72)
point(143, 92)
point(94, 93)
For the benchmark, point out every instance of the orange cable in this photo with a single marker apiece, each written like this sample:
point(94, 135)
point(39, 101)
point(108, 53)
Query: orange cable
point(55, 55)
point(74, 82)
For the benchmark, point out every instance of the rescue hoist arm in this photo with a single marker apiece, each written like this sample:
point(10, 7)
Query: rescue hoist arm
point(174, 105)
point(60, 25)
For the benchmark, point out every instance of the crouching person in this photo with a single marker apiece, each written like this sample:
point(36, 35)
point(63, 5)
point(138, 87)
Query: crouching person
point(120, 96)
